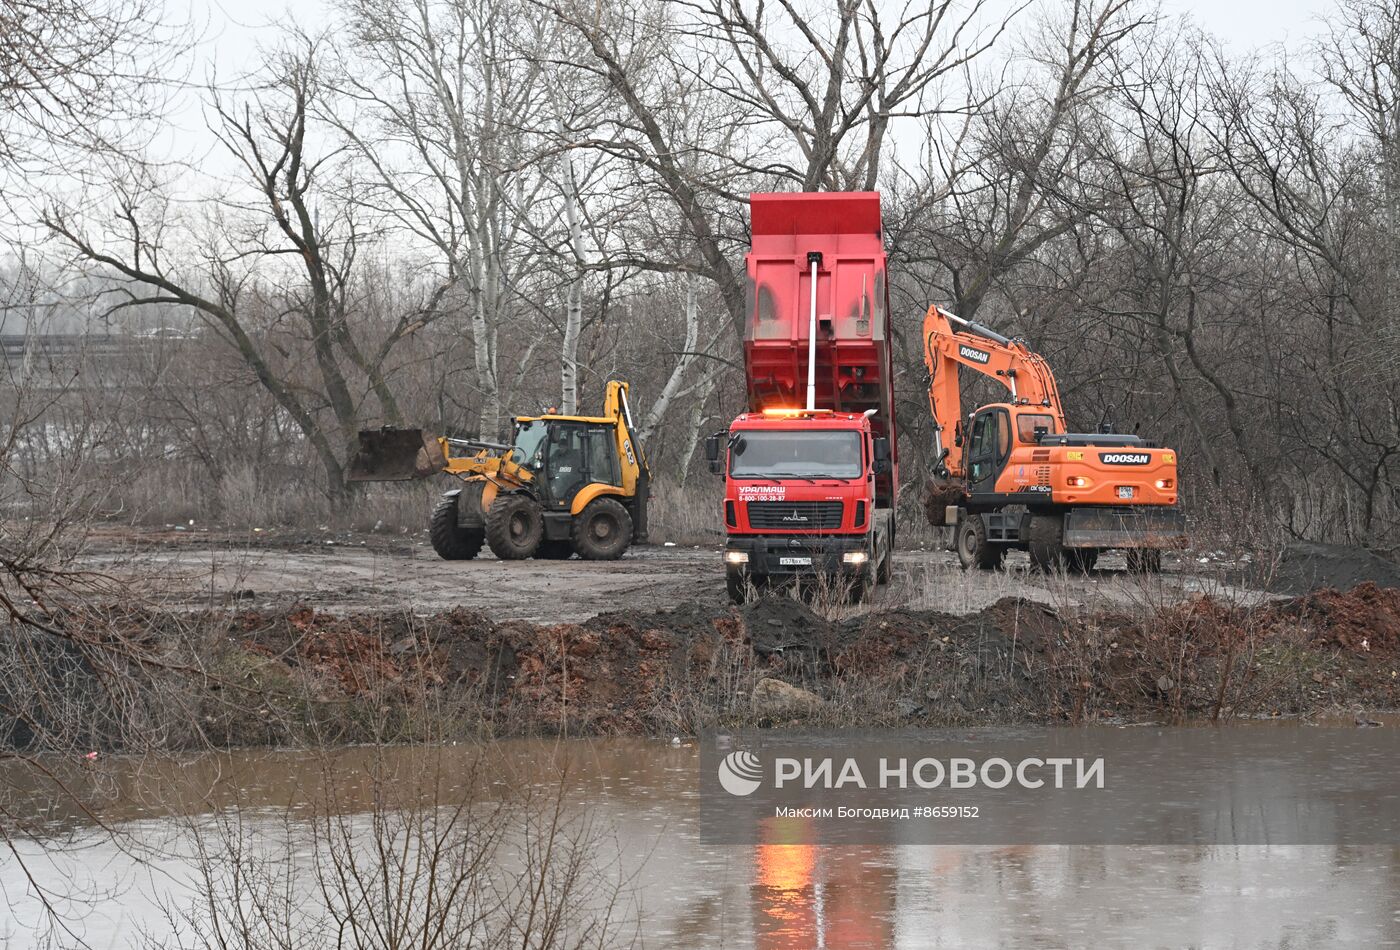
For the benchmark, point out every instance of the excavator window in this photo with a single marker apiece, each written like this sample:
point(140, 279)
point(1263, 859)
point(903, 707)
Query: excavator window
point(1027, 423)
point(980, 448)
point(601, 456)
point(991, 444)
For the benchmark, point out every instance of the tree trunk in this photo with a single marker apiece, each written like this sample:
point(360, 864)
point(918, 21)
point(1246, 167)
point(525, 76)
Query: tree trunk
point(573, 315)
point(673, 382)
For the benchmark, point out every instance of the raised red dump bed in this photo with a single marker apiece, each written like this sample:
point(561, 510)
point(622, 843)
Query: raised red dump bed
point(854, 360)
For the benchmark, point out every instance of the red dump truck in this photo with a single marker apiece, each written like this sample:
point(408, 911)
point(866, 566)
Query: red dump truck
point(811, 469)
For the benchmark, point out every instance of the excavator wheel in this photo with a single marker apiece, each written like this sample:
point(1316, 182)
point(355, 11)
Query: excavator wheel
point(555, 550)
point(514, 527)
point(1082, 559)
point(450, 540)
point(973, 548)
point(1144, 560)
point(1047, 543)
point(602, 531)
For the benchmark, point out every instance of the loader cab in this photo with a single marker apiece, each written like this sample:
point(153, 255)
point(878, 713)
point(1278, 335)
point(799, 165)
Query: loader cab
point(566, 455)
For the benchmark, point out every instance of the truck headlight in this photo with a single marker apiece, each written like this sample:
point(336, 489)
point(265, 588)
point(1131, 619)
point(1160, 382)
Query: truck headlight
point(736, 557)
point(854, 557)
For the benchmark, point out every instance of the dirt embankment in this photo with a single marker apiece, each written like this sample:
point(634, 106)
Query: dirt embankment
point(1307, 566)
point(684, 669)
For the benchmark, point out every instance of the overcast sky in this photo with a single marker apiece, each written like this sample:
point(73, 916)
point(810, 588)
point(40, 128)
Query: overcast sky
point(233, 25)
point(231, 31)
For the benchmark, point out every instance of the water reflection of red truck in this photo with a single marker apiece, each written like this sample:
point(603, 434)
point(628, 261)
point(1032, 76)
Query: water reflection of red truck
point(810, 468)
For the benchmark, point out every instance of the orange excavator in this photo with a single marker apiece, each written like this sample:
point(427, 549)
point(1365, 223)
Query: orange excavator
point(1011, 475)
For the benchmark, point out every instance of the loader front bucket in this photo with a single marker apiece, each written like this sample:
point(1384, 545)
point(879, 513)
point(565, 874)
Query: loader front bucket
point(396, 455)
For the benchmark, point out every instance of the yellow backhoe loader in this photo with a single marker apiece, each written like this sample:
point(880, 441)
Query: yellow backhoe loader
point(565, 485)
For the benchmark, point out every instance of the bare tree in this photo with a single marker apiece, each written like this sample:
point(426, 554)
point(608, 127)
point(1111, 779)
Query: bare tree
point(991, 198)
point(70, 67)
point(450, 98)
point(1322, 184)
point(757, 113)
point(280, 254)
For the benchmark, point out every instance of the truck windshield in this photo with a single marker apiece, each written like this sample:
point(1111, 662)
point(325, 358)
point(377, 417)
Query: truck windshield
point(810, 454)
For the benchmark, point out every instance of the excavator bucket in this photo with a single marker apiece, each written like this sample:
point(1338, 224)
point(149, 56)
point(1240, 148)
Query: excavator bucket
point(396, 455)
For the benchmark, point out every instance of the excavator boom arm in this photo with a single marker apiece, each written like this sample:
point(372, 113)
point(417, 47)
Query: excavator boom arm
point(951, 342)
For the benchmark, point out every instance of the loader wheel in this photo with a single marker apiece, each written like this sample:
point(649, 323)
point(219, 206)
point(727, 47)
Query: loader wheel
point(972, 545)
point(450, 540)
point(1144, 561)
point(514, 527)
point(555, 550)
point(602, 531)
point(1047, 543)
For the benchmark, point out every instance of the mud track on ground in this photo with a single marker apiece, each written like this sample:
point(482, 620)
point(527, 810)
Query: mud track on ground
point(198, 570)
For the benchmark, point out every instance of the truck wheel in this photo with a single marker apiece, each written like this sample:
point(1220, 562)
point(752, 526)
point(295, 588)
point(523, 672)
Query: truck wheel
point(862, 586)
point(1046, 543)
point(514, 527)
point(602, 531)
point(885, 571)
point(1144, 560)
point(973, 547)
point(555, 550)
point(1082, 559)
point(737, 585)
point(450, 540)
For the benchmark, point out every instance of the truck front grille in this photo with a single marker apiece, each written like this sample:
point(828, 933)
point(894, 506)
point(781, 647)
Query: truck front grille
point(795, 515)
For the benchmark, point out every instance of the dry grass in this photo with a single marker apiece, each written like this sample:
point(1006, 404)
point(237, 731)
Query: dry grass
point(689, 515)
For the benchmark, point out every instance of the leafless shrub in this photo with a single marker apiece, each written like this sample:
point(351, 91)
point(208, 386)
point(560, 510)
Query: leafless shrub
point(443, 849)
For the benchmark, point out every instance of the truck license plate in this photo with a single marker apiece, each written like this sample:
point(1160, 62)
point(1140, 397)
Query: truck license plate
point(1125, 491)
point(795, 561)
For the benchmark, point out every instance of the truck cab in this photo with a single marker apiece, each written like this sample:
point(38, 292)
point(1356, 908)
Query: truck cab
point(801, 497)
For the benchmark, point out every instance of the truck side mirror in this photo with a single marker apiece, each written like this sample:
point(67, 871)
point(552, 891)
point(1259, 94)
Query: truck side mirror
point(712, 451)
point(880, 448)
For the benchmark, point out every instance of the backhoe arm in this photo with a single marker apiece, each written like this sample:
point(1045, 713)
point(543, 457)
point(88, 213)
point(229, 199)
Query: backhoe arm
point(951, 342)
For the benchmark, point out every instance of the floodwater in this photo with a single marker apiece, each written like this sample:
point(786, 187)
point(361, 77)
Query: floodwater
point(126, 865)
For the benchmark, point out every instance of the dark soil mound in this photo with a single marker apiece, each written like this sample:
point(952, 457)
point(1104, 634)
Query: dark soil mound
point(1307, 566)
point(779, 625)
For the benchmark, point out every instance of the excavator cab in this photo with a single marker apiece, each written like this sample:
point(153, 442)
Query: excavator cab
point(995, 430)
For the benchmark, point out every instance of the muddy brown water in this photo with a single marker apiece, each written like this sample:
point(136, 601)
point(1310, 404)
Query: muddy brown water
point(114, 882)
